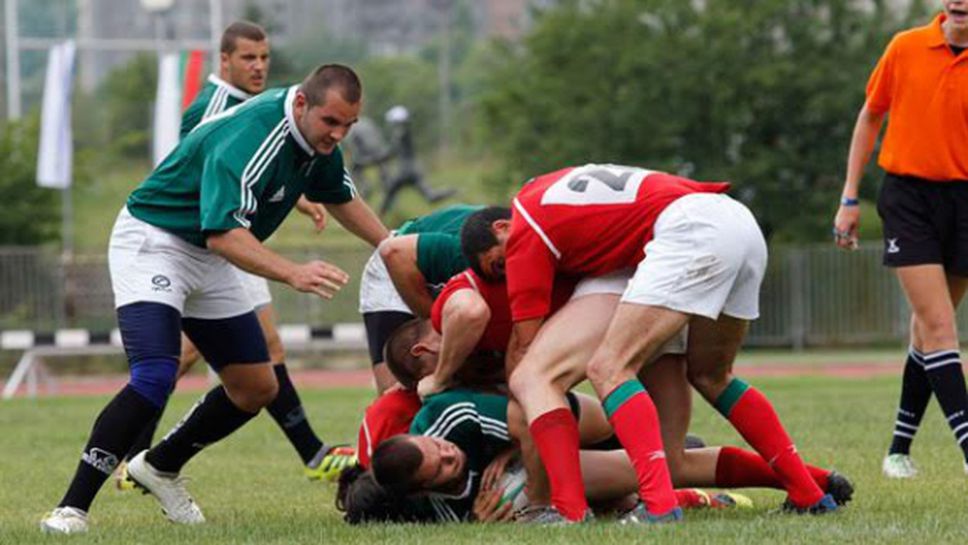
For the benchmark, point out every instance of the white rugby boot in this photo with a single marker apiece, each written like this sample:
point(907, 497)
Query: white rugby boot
point(64, 520)
point(899, 466)
point(169, 488)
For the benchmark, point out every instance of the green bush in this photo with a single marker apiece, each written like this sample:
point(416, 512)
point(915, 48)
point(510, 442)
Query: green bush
point(30, 213)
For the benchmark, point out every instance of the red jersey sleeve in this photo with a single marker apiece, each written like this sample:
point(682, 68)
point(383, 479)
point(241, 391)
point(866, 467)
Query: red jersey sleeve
point(530, 269)
point(391, 414)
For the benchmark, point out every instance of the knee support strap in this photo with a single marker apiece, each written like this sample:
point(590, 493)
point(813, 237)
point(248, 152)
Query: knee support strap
point(154, 379)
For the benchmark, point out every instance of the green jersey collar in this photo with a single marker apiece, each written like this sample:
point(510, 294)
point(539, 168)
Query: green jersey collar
point(293, 129)
point(231, 89)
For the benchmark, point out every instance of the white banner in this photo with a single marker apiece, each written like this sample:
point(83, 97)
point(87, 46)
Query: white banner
point(56, 149)
point(167, 106)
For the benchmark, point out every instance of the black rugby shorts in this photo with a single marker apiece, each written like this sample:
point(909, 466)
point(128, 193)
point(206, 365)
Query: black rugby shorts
point(925, 222)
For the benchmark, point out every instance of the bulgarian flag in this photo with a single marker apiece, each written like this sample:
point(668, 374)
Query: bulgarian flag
point(179, 80)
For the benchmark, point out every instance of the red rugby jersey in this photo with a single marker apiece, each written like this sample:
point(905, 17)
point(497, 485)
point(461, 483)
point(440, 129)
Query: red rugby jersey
point(389, 415)
point(587, 221)
point(498, 330)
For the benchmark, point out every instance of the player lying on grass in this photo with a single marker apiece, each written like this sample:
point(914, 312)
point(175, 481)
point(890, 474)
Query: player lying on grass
point(705, 262)
point(402, 277)
point(416, 349)
point(460, 444)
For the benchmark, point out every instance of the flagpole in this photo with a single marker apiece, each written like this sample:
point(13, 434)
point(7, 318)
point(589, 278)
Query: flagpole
point(13, 59)
point(215, 28)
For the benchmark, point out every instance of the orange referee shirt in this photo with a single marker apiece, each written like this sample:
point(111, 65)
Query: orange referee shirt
point(924, 87)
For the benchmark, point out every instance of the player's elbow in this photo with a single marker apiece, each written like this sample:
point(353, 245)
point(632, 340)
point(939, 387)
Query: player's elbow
point(215, 242)
point(389, 251)
point(868, 116)
point(474, 313)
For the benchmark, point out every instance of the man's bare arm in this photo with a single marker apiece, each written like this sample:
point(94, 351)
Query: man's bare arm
point(357, 217)
point(465, 317)
point(399, 254)
point(243, 250)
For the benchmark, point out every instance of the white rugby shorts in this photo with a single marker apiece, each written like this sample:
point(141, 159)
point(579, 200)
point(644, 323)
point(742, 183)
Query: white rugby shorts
point(256, 288)
point(707, 257)
point(377, 292)
point(616, 283)
point(149, 264)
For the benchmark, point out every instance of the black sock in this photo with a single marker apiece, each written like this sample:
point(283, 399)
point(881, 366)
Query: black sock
point(948, 382)
point(115, 429)
point(144, 440)
point(287, 410)
point(212, 419)
point(915, 395)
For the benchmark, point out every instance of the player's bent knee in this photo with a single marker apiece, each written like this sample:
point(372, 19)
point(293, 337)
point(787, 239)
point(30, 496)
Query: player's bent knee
point(520, 382)
point(601, 373)
point(709, 383)
point(154, 379)
point(937, 329)
point(266, 394)
point(254, 397)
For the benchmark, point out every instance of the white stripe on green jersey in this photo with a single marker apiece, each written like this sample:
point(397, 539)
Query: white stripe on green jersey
point(224, 173)
point(215, 97)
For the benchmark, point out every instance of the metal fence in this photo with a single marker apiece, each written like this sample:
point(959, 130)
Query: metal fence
point(812, 295)
point(42, 291)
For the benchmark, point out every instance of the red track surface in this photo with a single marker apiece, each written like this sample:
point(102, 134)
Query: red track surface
point(323, 379)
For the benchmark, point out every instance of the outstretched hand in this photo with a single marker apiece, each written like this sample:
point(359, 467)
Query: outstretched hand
point(318, 277)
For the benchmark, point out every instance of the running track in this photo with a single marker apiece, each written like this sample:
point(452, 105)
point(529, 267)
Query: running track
point(319, 379)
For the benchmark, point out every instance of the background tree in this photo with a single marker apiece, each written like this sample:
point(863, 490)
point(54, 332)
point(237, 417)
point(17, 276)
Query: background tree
point(760, 92)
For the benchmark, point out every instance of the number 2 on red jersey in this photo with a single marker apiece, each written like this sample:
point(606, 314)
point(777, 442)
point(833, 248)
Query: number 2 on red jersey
point(596, 185)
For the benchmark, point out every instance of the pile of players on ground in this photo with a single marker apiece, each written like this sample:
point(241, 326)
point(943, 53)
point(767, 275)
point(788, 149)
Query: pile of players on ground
point(481, 320)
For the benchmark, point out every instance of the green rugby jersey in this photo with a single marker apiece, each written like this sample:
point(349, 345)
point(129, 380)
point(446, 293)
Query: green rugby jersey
point(438, 247)
point(477, 423)
point(245, 167)
point(216, 96)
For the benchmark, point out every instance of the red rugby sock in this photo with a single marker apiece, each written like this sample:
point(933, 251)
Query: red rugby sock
point(689, 498)
point(636, 423)
point(555, 434)
point(740, 468)
point(755, 419)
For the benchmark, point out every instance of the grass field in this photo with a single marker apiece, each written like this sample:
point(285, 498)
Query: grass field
point(252, 491)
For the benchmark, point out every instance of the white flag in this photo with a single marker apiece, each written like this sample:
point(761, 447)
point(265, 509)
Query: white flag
point(56, 153)
point(167, 106)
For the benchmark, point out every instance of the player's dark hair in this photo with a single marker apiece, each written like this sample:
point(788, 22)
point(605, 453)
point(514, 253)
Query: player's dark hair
point(477, 236)
point(404, 366)
point(362, 500)
point(240, 29)
point(331, 76)
point(395, 463)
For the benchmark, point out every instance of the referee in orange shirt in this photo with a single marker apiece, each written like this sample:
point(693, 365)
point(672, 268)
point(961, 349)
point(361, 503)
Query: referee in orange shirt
point(921, 82)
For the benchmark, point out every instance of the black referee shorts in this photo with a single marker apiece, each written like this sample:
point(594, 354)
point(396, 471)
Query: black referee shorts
point(925, 223)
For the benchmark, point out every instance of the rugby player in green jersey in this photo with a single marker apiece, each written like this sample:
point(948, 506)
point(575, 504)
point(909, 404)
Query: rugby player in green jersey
point(460, 444)
point(243, 68)
point(208, 206)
